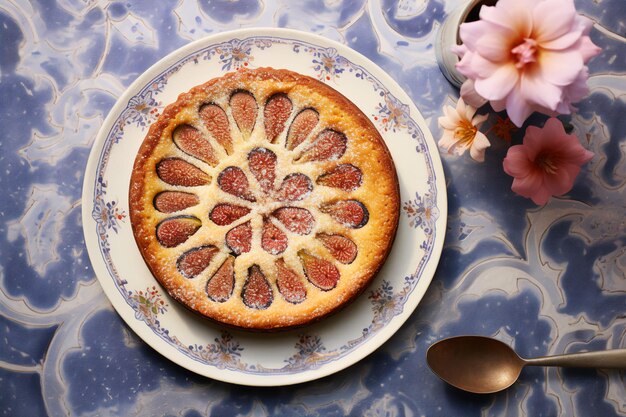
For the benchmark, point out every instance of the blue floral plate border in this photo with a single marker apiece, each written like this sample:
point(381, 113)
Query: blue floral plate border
point(260, 359)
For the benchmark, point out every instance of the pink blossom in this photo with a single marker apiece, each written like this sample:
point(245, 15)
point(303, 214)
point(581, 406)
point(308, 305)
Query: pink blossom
point(460, 131)
point(547, 162)
point(526, 56)
point(469, 94)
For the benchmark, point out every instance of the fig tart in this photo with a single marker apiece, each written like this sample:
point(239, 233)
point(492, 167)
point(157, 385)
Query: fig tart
point(264, 199)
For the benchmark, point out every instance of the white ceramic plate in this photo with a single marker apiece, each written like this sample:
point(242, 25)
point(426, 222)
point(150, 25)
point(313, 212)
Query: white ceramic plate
point(257, 358)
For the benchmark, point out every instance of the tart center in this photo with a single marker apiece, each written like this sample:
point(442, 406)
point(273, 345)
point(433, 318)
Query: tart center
point(271, 202)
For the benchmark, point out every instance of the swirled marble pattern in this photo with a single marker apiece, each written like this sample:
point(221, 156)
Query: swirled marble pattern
point(545, 279)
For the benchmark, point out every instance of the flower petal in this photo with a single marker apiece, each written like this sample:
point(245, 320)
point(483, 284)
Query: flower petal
point(560, 68)
point(498, 105)
point(552, 19)
point(587, 48)
point(475, 66)
point(512, 14)
point(453, 116)
point(479, 144)
point(470, 96)
point(479, 119)
point(446, 123)
point(528, 185)
point(563, 42)
point(496, 44)
point(447, 141)
point(572, 151)
point(533, 141)
point(471, 32)
point(465, 111)
point(517, 107)
point(585, 22)
point(541, 196)
point(517, 163)
point(497, 85)
point(459, 50)
point(536, 89)
point(577, 90)
point(532, 186)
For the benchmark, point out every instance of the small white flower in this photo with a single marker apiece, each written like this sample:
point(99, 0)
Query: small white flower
point(460, 131)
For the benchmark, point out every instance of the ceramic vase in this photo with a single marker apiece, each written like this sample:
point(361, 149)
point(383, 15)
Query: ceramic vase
point(448, 36)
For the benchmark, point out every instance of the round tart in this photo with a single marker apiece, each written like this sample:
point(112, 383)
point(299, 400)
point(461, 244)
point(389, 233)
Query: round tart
point(264, 199)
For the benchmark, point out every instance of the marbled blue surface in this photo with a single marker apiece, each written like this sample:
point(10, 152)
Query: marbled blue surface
point(546, 279)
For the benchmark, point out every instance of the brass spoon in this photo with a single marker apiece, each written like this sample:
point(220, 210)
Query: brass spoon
point(483, 365)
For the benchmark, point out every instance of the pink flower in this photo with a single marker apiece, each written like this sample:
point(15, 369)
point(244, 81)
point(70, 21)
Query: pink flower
point(547, 162)
point(460, 131)
point(469, 94)
point(526, 56)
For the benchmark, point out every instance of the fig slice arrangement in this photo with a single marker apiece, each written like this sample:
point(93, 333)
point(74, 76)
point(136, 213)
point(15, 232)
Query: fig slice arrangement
point(244, 109)
point(191, 141)
point(262, 164)
point(289, 283)
point(220, 286)
point(239, 238)
point(176, 230)
point(224, 214)
point(302, 125)
point(173, 201)
point(257, 292)
point(196, 260)
point(216, 122)
point(346, 177)
point(177, 171)
point(260, 201)
point(234, 181)
point(277, 111)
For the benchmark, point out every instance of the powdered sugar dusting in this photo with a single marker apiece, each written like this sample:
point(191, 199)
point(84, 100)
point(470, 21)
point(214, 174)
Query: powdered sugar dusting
point(274, 239)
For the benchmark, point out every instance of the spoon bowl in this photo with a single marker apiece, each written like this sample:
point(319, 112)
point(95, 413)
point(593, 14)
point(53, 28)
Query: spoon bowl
point(484, 365)
point(478, 364)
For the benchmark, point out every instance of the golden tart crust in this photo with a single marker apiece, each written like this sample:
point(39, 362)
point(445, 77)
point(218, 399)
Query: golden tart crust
point(264, 199)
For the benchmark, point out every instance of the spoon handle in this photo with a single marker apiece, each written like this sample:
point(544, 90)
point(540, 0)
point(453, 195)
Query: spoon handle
point(615, 358)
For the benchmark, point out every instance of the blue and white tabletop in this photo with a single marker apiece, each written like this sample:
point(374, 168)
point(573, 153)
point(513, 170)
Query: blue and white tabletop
point(85, 332)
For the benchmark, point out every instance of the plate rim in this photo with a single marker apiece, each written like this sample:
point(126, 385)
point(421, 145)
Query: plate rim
point(228, 375)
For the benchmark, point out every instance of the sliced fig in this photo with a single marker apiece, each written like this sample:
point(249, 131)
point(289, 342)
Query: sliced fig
point(224, 214)
point(176, 230)
point(273, 240)
point(295, 187)
point(257, 292)
point(277, 111)
point(289, 284)
point(191, 141)
point(340, 247)
point(301, 127)
point(329, 145)
point(350, 213)
point(233, 180)
point(172, 201)
point(239, 238)
point(220, 286)
point(244, 110)
point(216, 122)
point(320, 272)
point(194, 261)
point(346, 177)
point(295, 219)
point(176, 171)
point(262, 164)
